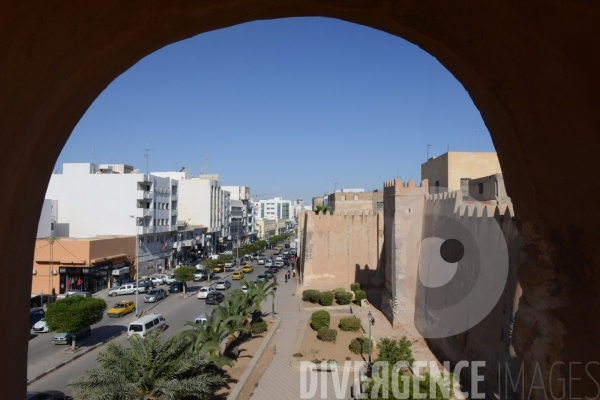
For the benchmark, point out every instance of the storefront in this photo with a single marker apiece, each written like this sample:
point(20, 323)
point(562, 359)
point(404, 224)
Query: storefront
point(86, 278)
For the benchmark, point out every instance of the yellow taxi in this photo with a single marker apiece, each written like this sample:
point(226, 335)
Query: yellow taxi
point(248, 268)
point(237, 275)
point(121, 308)
point(219, 268)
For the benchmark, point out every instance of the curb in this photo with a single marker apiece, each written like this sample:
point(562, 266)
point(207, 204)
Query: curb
point(75, 357)
point(240, 384)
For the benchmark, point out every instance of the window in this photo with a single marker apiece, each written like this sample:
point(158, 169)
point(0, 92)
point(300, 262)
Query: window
point(343, 198)
point(480, 185)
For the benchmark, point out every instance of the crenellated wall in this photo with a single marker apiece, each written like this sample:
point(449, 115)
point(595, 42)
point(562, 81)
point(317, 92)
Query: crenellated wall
point(341, 248)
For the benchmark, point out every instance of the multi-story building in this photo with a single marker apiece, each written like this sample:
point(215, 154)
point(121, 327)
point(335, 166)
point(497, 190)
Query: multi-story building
point(90, 200)
point(355, 200)
point(243, 226)
point(297, 206)
point(276, 208)
point(446, 171)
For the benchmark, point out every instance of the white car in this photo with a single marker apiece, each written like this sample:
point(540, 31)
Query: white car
point(244, 288)
point(40, 326)
point(278, 258)
point(268, 263)
point(170, 279)
point(164, 277)
point(204, 291)
point(157, 280)
point(261, 261)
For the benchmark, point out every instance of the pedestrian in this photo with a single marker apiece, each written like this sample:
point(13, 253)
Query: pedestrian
point(294, 272)
point(286, 279)
point(79, 283)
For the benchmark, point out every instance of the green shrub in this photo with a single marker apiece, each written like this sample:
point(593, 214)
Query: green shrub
point(360, 345)
point(344, 298)
point(311, 295)
point(320, 319)
point(338, 290)
point(258, 328)
point(326, 298)
point(355, 286)
point(360, 295)
point(327, 335)
point(351, 324)
point(392, 350)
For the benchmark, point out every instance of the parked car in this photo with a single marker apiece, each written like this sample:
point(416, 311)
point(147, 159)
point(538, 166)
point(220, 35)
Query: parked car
point(219, 268)
point(268, 263)
point(278, 258)
point(223, 285)
point(121, 308)
point(244, 289)
point(156, 280)
point(201, 319)
point(47, 395)
point(155, 295)
point(261, 261)
point(177, 287)
point(67, 337)
point(35, 315)
point(145, 285)
point(170, 279)
point(237, 275)
point(261, 278)
point(40, 326)
point(269, 274)
point(279, 264)
point(215, 297)
point(164, 278)
point(248, 268)
point(204, 291)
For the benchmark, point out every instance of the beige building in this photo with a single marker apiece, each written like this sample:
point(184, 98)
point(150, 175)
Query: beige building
point(266, 228)
point(446, 171)
point(89, 264)
point(356, 201)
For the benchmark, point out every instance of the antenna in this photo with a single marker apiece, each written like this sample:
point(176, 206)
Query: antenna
point(92, 155)
point(397, 176)
point(448, 148)
point(206, 170)
point(334, 187)
point(147, 155)
point(428, 146)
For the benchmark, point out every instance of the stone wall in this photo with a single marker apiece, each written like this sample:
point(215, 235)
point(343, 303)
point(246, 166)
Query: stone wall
point(339, 249)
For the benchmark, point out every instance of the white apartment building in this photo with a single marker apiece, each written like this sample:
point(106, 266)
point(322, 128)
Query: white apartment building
point(297, 206)
point(92, 200)
point(242, 226)
point(276, 208)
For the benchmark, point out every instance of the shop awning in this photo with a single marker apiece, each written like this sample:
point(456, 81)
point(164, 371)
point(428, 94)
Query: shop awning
point(109, 258)
point(120, 271)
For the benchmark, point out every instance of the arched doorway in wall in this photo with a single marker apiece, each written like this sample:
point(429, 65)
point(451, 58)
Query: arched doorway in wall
point(532, 77)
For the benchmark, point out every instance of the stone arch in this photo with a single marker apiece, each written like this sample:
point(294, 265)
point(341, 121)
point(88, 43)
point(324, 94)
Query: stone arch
point(530, 68)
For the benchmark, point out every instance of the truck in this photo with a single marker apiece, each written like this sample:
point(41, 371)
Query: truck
point(294, 245)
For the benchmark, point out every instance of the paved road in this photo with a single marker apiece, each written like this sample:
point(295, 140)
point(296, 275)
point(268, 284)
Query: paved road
point(176, 312)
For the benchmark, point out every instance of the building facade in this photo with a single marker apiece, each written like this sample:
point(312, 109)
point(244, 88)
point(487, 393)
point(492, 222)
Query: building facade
point(346, 200)
point(243, 220)
point(276, 208)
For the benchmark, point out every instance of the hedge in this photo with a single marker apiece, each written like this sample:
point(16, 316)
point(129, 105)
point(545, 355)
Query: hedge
point(360, 345)
point(326, 298)
point(311, 295)
point(258, 328)
point(320, 319)
point(355, 286)
point(351, 324)
point(344, 298)
point(327, 335)
point(360, 295)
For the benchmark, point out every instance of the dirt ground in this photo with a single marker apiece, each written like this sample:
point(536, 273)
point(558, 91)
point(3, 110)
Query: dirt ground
point(246, 351)
point(315, 349)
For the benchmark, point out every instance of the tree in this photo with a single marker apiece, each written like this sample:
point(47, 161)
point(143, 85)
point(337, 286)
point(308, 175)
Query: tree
point(74, 313)
point(184, 274)
point(209, 335)
point(151, 369)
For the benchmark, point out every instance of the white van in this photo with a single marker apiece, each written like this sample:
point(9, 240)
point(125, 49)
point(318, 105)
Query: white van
point(143, 326)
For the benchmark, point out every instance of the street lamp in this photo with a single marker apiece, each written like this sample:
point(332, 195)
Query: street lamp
point(371, 322)
point(137, 264)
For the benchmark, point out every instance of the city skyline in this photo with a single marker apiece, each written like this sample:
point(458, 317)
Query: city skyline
point(310, 104)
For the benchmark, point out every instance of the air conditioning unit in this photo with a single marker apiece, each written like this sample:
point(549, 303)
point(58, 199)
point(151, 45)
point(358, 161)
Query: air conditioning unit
point(34, 272)
point(54, 272)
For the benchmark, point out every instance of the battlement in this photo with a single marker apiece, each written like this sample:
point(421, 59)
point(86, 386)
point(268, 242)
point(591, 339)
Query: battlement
point(348, 216)
point(397, 187)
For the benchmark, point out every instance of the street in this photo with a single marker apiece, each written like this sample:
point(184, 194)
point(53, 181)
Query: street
point(175, 310)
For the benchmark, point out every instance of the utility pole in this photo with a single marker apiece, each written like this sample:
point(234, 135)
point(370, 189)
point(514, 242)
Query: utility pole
point(428, 146)
point(147, 155)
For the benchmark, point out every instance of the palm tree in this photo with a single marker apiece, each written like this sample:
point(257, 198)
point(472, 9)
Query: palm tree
point(151, 369)
point(207, 337)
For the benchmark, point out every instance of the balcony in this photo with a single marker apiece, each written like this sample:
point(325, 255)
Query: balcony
point(173, 213)
point(143, 195)
point(173, 197)
point(142, 212)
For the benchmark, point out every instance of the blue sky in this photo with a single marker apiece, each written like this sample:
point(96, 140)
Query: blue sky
point(289, 107)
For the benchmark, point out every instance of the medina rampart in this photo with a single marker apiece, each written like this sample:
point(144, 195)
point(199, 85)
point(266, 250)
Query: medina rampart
point(339, 249)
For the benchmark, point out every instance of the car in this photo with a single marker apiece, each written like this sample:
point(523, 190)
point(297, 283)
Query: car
point(279, 264)
point(261, 278)
point(121, 308)
point(155, 295)
point(215, 297)
point(268, 263)
point(156, 280)
point(200, 276)
point(261, 261)
point(248, 268)
point(40, 326)
point(36, 315)
point(164, 278)
point(276, 253)
point(286, 252)
point(67, 337)
point(244, 289)
point(278, 258)
point(145, 285)
point(219, 268)
point(128, 288)
point(205, 291)
point(177, 287)
point(269, 274)
point(46, 395)
point(229, 265)
point(170, 279)
point(202, 319)
point(237, 275)
point(223, 285)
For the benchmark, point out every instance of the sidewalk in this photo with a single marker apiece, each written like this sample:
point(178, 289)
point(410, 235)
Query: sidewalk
point(280, 381)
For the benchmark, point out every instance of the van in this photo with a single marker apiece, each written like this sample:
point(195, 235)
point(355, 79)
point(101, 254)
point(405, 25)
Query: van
point(35, 315)
point(143, 326)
